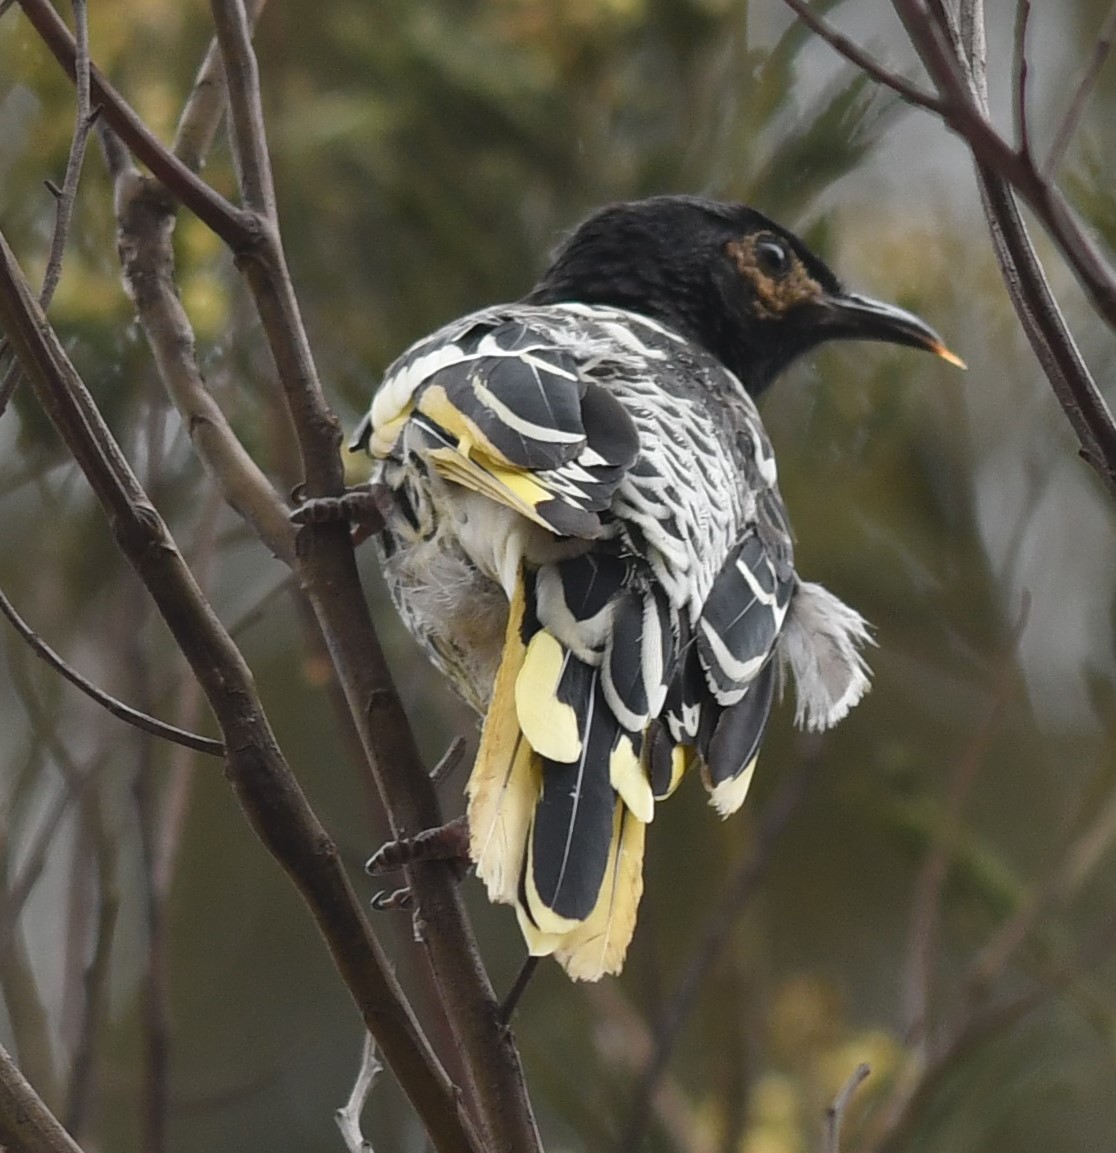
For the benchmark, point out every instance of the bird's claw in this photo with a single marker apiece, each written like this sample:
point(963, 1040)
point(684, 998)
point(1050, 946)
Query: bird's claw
point(366, 507)
point(388, 899)
point(448, 842)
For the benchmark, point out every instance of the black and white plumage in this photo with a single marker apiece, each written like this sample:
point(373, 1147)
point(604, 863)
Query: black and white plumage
point(587, 536)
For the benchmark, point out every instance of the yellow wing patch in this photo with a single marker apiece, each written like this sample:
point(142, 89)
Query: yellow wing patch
point(511, 487)
point(435, 404)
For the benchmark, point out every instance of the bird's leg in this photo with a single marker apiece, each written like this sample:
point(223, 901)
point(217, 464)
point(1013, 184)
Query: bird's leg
point(365, 506)
point(509, 1003)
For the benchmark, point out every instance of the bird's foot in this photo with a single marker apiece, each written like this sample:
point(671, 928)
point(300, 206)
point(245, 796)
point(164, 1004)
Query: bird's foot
point(366, 507)
point(448, 842)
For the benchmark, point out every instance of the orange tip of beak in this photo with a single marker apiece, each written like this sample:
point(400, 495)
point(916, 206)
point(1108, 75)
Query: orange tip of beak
point(949, 357)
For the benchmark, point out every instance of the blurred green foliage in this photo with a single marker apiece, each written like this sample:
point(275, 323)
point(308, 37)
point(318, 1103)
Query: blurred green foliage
point(428, 154)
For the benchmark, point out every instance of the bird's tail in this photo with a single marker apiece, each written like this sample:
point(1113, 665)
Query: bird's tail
point(820, 643)
point(553, 801)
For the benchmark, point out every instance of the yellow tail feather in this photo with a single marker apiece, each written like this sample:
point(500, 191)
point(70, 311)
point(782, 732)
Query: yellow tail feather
point(548, 723)
point(506, 780)
point(599, 944)
point(589, 949)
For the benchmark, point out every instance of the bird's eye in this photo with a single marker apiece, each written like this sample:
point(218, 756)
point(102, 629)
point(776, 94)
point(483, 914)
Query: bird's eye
point(772, 256)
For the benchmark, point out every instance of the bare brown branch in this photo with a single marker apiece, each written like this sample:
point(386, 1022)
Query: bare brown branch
point(970, 120)
point(937, 37)
point(958, 110)
point(83, 124)
point(1021, 70)
point(234, 35)
point(66, 196)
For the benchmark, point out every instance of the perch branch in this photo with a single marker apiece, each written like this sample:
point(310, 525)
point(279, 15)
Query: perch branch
point(327, 570)
point(205, 106)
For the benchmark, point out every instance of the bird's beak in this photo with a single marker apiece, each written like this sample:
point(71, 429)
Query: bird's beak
point(847, 316)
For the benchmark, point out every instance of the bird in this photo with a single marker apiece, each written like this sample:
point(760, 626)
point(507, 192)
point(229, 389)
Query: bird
point(584, 531)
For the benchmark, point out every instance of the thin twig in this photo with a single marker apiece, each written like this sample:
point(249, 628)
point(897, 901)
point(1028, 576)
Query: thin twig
point(107, 701)
point(852, 52)
point(66, 197)
point(83, 124)
point(348, 1116)
point(145, 217)
point(953, 51)
point(1022, 133)
point(835, 1114)
point(970, 120)
point(1102, 47)
point(961, 114)
point(246, 120)
point(97, 972)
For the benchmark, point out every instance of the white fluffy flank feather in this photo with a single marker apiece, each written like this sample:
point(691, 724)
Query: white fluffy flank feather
point(821, 642)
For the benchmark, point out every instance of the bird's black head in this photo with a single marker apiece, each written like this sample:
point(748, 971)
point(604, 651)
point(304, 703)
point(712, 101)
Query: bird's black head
point(727, 277)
